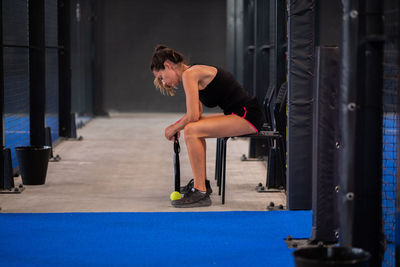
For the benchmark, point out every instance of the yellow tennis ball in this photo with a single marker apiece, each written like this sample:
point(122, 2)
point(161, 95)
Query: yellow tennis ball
point(175, 195)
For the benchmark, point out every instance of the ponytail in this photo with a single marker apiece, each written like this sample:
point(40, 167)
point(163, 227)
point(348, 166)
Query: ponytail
point(163, 53)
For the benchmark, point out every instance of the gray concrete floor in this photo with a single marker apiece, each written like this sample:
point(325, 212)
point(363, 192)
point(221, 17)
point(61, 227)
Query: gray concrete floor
point(124, 164)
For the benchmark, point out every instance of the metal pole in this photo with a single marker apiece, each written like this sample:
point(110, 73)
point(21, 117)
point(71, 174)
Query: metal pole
point(360, 120)
point(347, 121)
point(368, 230)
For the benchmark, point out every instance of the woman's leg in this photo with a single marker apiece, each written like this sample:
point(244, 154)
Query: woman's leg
point(210, 127)
point(197, 156)
point(201, 154)
point(208, 116)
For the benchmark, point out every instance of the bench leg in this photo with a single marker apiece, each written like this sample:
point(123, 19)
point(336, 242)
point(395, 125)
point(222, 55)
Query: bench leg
point(224, 141)
point(217, 160)
point(220, 162)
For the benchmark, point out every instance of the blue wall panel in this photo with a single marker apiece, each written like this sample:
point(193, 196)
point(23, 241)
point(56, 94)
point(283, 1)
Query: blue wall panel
point(16, 99)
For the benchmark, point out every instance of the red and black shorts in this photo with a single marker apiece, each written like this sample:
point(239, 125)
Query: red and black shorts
point(252, 113)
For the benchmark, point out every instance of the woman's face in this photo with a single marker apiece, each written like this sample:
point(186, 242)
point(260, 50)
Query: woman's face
point(167, 76)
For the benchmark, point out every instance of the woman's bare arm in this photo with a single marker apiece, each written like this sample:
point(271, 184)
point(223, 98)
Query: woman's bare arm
point(200, 108)
point(194, 107)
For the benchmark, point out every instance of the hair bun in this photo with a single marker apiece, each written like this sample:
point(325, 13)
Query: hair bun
point(161, 47)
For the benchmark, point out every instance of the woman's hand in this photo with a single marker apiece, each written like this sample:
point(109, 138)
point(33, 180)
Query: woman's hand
point(170, 131)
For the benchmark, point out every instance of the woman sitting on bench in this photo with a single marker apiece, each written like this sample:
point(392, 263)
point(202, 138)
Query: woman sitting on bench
point(211, 86)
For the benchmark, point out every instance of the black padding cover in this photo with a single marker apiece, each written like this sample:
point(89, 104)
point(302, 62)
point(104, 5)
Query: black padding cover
point(324, 175)
point(301, 68)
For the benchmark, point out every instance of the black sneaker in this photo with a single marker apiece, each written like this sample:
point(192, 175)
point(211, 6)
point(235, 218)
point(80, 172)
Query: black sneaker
point(185, 189)
point(193, 198)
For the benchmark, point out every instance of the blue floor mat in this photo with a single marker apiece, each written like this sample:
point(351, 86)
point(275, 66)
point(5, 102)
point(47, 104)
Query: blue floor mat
point(241, 238)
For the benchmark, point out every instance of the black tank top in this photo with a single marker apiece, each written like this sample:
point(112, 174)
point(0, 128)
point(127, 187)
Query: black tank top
point(224, 91)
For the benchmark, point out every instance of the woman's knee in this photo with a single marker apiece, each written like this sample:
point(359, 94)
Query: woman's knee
point(191, 130)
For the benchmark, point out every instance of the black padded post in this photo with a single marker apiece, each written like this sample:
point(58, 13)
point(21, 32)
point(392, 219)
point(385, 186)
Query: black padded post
point(300, 102)
point(324, 175)
point(37, 71)
point(1, 98)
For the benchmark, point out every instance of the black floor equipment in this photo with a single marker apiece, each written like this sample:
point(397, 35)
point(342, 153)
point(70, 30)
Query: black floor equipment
point(49, 142)
point(7, 185)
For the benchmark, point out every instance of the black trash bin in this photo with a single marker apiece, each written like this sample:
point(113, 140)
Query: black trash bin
point(33, 162)
point(331, 256)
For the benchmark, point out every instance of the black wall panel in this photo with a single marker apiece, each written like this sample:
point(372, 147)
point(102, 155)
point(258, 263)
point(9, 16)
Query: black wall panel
point(83, 16)
point(16, 74)
point(51, 23)
point(263, 42)
point(130, 32)
point(15, 22)
point(52, 119)
point(249, 45)
point(16, 80)
point(52, 91)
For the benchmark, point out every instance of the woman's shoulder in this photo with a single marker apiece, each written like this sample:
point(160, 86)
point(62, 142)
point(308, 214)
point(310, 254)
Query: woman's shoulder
point(203, 67)
point(210, 69)
point(201, 71)
point(204, 74)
